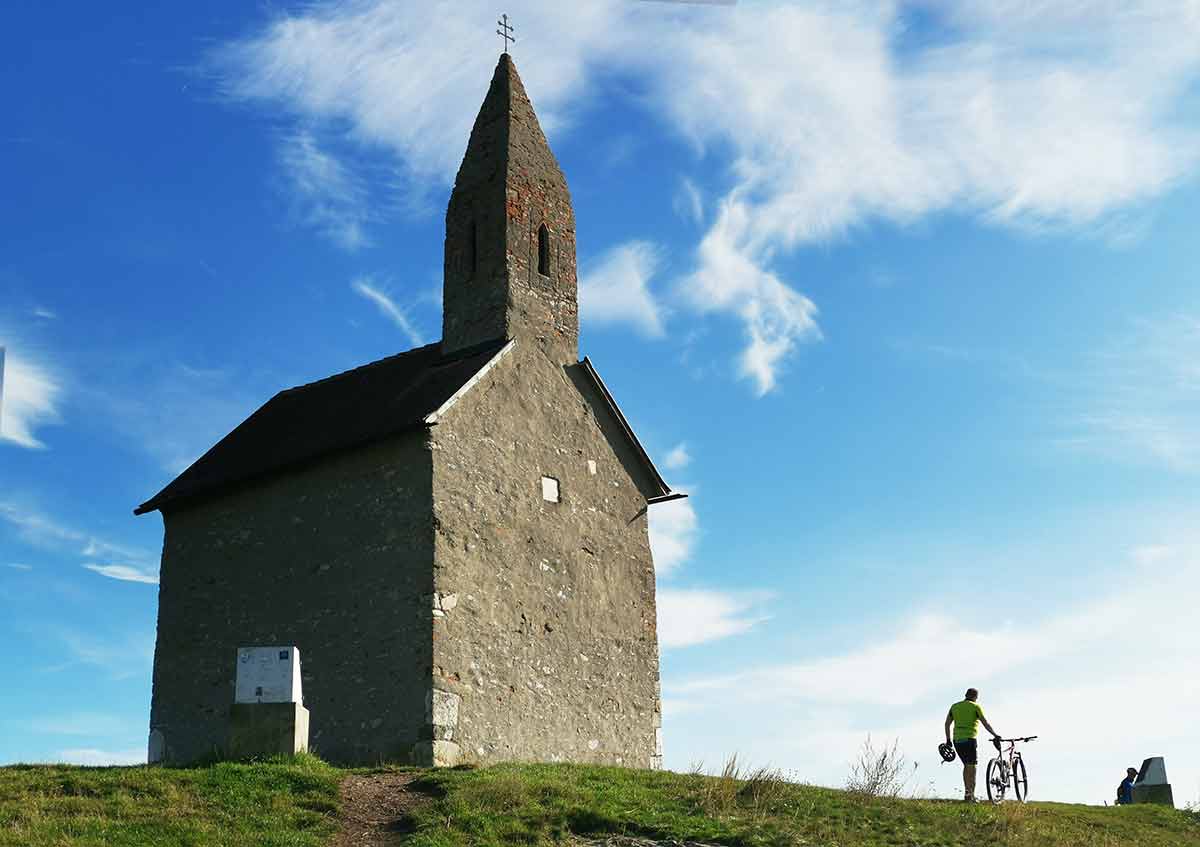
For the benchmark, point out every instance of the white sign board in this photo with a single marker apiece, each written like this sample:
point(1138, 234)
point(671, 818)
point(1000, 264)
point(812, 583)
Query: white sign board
point(268, 675)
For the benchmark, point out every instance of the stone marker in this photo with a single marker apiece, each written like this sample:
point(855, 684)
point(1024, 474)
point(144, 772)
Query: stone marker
point(1151, 785)
point(268, 716)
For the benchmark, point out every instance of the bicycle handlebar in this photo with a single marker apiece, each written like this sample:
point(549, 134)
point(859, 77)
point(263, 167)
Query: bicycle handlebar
point(1026, 738)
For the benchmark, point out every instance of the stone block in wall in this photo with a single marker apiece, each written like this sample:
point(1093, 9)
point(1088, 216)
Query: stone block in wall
point(436, 753)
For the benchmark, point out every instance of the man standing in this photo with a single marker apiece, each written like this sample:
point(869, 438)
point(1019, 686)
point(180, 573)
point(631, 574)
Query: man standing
point(966, 715)
point(1125, 789)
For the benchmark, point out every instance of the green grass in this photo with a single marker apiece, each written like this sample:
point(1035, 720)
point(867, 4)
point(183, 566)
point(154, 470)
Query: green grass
point(541, 804)
point(291, 803)
point(295, 803)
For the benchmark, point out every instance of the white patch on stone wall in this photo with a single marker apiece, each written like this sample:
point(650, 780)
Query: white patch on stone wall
point(592, 467)
point(550, 489)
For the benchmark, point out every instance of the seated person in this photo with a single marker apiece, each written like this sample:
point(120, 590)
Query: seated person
point(1125, 789)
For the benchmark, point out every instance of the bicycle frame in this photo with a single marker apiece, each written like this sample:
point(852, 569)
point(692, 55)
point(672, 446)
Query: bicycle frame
point(1007, 767)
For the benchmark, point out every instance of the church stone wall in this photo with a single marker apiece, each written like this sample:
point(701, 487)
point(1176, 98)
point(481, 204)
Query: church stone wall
point(335, 558)
point(544, 631)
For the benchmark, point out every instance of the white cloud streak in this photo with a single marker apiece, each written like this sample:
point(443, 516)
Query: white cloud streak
point(1137, 400)
point(122, 562)
point(30, 397)
point(674, 529)
point(92, 757)
point(679, 457)
point(616, 289)
point(327, 195)
point(691, 616)
point(1028, 115)
point(1118, 666)
point(388, 308)
point(125, 573)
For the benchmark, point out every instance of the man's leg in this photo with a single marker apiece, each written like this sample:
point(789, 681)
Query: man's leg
point(968, 781)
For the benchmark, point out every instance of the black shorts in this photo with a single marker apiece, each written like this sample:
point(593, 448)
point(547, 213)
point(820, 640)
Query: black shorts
point(968, 751)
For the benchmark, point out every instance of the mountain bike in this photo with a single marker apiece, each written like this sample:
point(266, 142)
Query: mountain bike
point(1007, 767)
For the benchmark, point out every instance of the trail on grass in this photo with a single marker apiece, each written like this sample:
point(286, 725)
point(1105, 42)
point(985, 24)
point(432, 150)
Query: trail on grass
point(375, 809)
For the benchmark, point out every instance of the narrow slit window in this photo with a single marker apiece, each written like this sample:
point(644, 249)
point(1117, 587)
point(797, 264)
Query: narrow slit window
point(472, 241)
point(544, 251)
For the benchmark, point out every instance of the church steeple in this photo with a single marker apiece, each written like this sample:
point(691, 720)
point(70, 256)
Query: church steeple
point(510, 233)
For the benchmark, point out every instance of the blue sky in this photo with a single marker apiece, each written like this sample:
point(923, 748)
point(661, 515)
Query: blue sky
point(904, 294)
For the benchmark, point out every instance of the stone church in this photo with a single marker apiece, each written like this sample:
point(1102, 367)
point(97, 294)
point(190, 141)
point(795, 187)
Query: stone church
point(454, 537)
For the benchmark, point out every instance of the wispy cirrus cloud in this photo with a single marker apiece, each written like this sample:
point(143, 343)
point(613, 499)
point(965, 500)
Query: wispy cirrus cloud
point(116, 561)
point(326, 194)
point(678, 458)
point(1137, 399)
point(690, 616)
point(616, 288)
point(30, 398)
point(368, 288)
point(900, 676)
point(125, 573)
point(822, 118)
point(674, 530)
point(93, 757)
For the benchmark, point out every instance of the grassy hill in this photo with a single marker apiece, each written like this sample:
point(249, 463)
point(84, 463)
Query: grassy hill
point(297, 803)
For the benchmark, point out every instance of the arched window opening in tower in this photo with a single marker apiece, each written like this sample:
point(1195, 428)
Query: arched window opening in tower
point(544, 251)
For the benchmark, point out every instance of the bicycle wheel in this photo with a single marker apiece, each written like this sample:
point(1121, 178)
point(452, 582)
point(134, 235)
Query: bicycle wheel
point(1020, 779)
point(997, 780)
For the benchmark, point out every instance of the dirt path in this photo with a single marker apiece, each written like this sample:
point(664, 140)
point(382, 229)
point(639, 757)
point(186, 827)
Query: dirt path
point(375, 809)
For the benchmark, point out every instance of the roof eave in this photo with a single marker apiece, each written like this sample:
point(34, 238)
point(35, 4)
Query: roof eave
point(623, 422)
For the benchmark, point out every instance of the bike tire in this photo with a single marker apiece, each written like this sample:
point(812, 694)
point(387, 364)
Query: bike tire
point(1020, 778)
point(996, 780)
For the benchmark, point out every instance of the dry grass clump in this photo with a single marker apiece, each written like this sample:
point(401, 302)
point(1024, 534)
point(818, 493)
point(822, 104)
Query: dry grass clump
point(753, 791)
point(879, 773)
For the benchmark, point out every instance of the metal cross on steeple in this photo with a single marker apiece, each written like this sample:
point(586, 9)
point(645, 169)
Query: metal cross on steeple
point(505, 31)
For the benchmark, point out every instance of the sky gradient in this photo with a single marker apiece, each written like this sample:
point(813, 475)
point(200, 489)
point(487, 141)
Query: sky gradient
point(904, 294)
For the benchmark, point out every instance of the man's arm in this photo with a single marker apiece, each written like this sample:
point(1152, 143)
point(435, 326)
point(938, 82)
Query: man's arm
point(949, 720)
point(988, 726)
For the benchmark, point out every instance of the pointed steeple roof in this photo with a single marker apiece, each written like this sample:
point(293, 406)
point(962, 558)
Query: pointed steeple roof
point(510, 231)
point(506, 135)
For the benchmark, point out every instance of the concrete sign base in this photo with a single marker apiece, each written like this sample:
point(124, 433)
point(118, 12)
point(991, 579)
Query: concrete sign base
point(1160, 794)
point(259, 730)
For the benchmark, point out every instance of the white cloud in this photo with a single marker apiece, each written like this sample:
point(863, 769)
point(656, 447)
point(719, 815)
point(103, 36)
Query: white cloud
point(1118, 667)
point(78, 723)
point(29, 398)
point(366, 287)
point(44, 314)
point(409, 83)
point(327, 195)
point(100, 758)
point(122, 657)
point(822, 117)
point(177, 411)
point(673, 532)
point(678, 458)
point(693, 616)
point(689, 201)
point(616, 288)
point(38, 530)
point(18, 566)
point(1137, 400)
point(125, 573)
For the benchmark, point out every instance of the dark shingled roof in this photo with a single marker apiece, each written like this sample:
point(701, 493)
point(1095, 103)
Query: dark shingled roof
point(347, 410)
